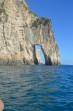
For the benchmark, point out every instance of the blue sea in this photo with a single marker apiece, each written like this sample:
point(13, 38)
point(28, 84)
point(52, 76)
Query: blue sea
point(37, 88)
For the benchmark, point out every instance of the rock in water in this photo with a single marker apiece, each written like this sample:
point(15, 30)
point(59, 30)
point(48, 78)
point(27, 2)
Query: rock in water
point(38, 57)
point(20, 31)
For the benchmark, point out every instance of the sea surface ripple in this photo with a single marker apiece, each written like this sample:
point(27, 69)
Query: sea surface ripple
point(37, 88)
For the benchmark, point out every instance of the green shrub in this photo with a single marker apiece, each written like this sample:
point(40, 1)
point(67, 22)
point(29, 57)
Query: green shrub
point(33, 13)
point(5, 16)
point(35, 24)
point(41, 21)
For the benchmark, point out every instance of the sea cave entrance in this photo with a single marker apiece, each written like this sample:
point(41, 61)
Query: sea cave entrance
point(39, 55)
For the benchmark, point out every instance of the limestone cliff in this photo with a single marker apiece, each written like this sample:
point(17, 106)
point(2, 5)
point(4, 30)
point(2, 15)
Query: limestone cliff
point(20, 31)
point(38, 57)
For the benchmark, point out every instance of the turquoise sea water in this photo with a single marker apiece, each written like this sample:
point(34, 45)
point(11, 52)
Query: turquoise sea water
point(37, 88)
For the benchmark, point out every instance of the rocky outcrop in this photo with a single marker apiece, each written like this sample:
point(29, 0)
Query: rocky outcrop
point(38, 57)
point(20, 31)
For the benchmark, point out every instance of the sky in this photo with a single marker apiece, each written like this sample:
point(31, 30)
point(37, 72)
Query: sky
point(61, 14)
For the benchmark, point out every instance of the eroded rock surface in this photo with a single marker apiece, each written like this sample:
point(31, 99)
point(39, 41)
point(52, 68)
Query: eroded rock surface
point(38, 57)
point(20, 31)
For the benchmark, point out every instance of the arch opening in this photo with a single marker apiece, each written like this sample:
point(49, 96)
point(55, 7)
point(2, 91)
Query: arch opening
point(40, 59)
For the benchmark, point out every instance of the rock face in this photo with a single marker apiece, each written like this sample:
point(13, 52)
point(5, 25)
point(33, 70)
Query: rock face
point(38, 57)
point(20, 31)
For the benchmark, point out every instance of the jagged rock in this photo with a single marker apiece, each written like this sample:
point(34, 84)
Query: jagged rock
point(38, 56)
point(20, 31)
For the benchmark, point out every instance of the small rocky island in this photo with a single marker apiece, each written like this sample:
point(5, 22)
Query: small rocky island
point(20, 31)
